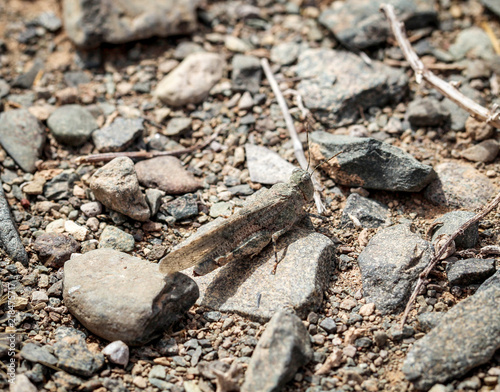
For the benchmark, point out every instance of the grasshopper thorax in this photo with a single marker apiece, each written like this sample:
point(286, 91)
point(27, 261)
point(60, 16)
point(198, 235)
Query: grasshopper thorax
point(302, 180)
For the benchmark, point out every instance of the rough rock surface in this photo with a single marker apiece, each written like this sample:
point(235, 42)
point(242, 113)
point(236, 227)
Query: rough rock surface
point(451, 221)
point(22, 136)
point(470, 271)
point(369, 213)
point(390, 265)
point(114, 238)
point(54, 248)
point(119, 135)
point(266, 166)
point(121, 297)
point(285, 344)
point(72, 124)
point(369, 163)
point(116, 186)
point(89, 23)
point(427, 112)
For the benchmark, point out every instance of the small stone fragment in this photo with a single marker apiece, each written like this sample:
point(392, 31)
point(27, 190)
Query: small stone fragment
point(266, 166)
point(117, 352)
point(246, 74)
point(427, 112)
point(38, 354)
point(183, 207)
point(450, 222)
point(177, 125)
point(114, 238)
point(119, 135)
point(486, 151)
point(72, 124)
point(61, 186)
point(91, 209)
point(54, 249)
point(470, 271)
point(361, 210)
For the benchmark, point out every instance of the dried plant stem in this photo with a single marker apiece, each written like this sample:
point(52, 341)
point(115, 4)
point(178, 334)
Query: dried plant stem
point(439, 252)
point(421, 72)
point(297, 145)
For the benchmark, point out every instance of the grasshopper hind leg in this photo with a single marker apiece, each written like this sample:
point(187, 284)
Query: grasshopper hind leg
point(274, 238)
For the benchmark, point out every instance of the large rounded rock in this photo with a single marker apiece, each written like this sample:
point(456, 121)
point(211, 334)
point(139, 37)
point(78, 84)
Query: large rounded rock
point(121, 297)
point(71, 124)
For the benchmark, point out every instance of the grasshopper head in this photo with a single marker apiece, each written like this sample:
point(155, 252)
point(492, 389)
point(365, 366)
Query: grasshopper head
point(302, 179)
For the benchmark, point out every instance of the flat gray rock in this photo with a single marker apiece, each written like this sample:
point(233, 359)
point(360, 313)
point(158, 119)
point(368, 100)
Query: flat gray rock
point(266, 166)
point(121, 297)
point(466, 337)
point(248, 288)
point(360, 24)
point(369, 163)
point(427, 112)
point(390, 265)
point(369, 213)
point(72, 124)
point(470, 271)
point(114, 238)
point(246, 74)
point(90, 23)
point(472, 43)
point(116, 186)
point(282, 349)
point(23, 137)
point(451, 222)
point(337, 84)
point(119, 135)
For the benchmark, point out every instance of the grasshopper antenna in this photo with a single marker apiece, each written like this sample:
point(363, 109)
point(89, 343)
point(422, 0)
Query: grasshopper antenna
point(326, 160)
point(307, 141)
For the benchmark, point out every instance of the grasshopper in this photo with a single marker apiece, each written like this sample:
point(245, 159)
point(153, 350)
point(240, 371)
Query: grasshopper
point(272, 213)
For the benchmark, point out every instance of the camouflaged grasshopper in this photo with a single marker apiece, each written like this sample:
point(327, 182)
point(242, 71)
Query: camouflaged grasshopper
point(271, 214)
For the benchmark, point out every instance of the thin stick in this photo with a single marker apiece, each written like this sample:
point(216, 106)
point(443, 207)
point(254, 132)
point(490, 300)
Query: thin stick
point(297, 145)
point(437, 256)
point(108, 156)
point(422, 73)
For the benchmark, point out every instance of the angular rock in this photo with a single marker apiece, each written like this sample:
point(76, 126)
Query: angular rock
point(168, 174)
point(285, 344)
point(121, 297)
point(49, 21)
point(451, 222)
point(486, 151)
point(114, 238)
point(23, 137)
point(22, 384)
point(492, 5)
point(470, 271)
point(26, 79)
point(493, 280)
point(119, 135)
point(459, 116)
point(91, 209)
point(153, 197)
point(191, 80)
point(266, 166)
point(473, 43)
point(116, 186)
point(246, 74)
point(248, 288)
point(90, 23)
point(183, 207)
point(9, 237)
point(177, 125)
point(285, 53)
point(369, 213)
point(72, 124)
point(466, 337)
point(369, 163)
point(38, 354)
point(117, 352)
point(390, 265)
point(54, 249)
point(360, 24)
point(427, 112)
point(61, 186)
point(459, 186)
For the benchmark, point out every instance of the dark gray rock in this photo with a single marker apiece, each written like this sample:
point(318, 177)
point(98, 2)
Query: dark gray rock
point(369, 213)
point(466, 337)
point(369, 163)
point(246, 74)
point(38, 354)
point(451, 222)
point(283, 348)
point(492, 5)
point(183, 207)
point(390, 265)
point(72, 124)
point(121, 297)
point(119, 135)
point(360, 24)
point(493, 280)
point(329, 325)
point(22, 136)
point(337, 84)
point(459, 186)
point(428, 320)
point(61, 186)
point(90, 23)
point(427, 112)
point(26, 80)
point(54, 249)
point(177, 126)
point(470, 271)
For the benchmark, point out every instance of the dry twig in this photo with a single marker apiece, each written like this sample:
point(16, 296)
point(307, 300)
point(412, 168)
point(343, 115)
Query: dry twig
point(422, 73)
point(297, 145)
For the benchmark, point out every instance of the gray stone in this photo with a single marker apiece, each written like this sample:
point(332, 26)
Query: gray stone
point(470, 271)
point(116, 186)
point(183, 207)
point(390, 265)
point(285, 53)
point(38, 354)
point(72, 124)
point(329, 325)
point(369, 163)
point(451, 222)
point(459, 186)
point(153, 197)
point(49, 21)
point(9, 237)
point(337, 84)
point(23, 137)
point(191, 80)
point(369, 213)
point(167, 174)
point(427, 112)
point(92, 208)
point(26, 79)
point(429, 320)
point(177, 125)
point(223, 208)
point(4, 88)
point(283, 348)
point(90, 23)
point(466, 337)
point(119, 135)
point(486, 151)
point(61, 186)
point(54, 249)
point(75, 78)
point(22, 384)
point(492, 5)
point(117, 352)
point(360, 24)
point(248, 288)
point(459, 116)
point(186, 48)
point(493, 280)
point(266, 166)
point(25, 100)
point(114, 238)
point(121, 297)
point(246, 74)
point(473, 43)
